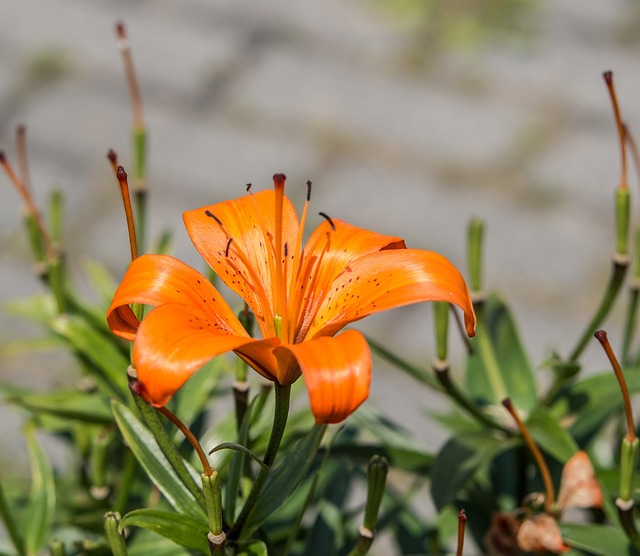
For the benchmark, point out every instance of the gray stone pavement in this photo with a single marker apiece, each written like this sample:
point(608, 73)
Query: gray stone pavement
point(406, 136)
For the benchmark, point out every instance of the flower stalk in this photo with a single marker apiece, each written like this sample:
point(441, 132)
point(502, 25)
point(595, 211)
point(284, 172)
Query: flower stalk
point(280, 415)
point(550, 497)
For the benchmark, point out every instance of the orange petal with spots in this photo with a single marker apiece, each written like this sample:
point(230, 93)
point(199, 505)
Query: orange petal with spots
point(337, 373)
point(247, 266)
point(175, 340)
point(327, 253)
point(388, 279)
point(159, 279)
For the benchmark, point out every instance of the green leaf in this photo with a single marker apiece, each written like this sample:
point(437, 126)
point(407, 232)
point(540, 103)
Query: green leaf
point(42, 501)
point(193, 397)
point(148, 453)
point(590, 402)
point(550, 436)
point(254, 548)
point(516, 371)
point(105, 357)
point(181, 529)
point(68, 404)
point(101, 280)
point(602, 540)
point(9, 519)
point(40, 308)
point(284, 480)
point(146, 542)
point(458, 461)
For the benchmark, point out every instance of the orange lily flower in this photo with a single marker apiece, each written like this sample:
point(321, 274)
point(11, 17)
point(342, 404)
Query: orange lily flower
point(302, 297)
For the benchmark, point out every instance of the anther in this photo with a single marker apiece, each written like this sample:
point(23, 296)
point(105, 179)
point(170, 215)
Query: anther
point(309, 190)
point(248, 187)
point(226, 251)
point(113, 158)
point(211, 215)
point(328, 219)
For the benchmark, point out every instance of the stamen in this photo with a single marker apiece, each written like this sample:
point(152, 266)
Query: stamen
point(23, 163)
point(29, 204)
point(309, 184)
point(211, 215)
point(226, 251)
point(126, 201)
point(136, 99)
point(328, 219)
point(608, 78)
point(280, 286)
point(113, 158)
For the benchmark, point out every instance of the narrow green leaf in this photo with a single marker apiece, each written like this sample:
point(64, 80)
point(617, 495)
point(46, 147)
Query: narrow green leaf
point(40, 308)
point(253, 548)
point(101, 280)
point(181, 529)
point(42, 501)
point(103, 354)
point(593, 400)
point(602, 540)
point(145, 542)
point(67, 403)
point(550, 436)
point(284, 480)
point(458, 461)
point(9, 520)
point(148, 453)
point(516, 371)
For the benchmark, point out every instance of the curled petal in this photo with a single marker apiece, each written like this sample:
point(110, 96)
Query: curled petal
point(337, 373)
point(579, 487)
point(160, 279)
point(237, 241)
point(389, 279)
point(174, 341)
point(541, 533)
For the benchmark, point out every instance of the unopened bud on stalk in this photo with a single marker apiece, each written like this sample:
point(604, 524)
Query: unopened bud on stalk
point(475, 237)
point(376, 481)
point(115, 539)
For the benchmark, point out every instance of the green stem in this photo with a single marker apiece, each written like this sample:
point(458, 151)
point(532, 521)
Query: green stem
point(630, 322)
point(129, 472)
point(280, 415)
point(625, 514)
point(488, 355)
point(441, 370)
point(618, 271)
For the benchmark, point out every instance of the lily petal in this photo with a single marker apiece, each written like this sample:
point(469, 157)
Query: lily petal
point(337, 372)
point(388, 279)
point(160, 279)
point(332, 247)
point(174, 341)
point(246, 265)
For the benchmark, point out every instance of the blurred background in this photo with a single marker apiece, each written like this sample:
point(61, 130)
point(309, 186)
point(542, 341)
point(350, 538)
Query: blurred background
point(409, 116)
